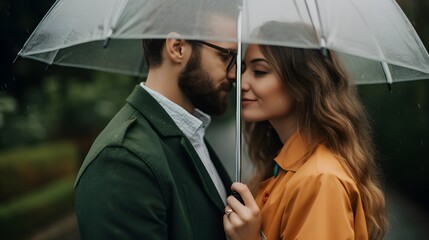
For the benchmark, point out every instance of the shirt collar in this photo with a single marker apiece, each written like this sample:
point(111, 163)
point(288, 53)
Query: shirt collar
point(292, 153)
point(189, 123)
point(205, 118)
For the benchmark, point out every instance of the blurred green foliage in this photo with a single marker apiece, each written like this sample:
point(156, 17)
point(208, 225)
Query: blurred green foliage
point(36, 186)
point(35, 166)
point(19, 218)
point(61, 106)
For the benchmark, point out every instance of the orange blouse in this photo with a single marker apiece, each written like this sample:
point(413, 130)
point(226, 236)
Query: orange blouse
point(313, 199)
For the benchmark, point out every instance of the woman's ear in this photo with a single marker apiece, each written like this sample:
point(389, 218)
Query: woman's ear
point(176, 48)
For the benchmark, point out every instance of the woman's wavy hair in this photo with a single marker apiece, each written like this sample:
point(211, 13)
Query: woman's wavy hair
point(328, 108)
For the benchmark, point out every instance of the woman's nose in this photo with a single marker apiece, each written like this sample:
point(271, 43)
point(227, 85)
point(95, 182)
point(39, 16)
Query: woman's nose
point(244, 83)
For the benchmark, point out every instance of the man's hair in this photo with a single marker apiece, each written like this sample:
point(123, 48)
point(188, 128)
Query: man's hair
point(193, 22)
point(152, 49)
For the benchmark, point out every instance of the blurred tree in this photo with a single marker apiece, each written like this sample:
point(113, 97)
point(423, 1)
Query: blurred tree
point(403, 141)
point(422, 19)
point(401, 133)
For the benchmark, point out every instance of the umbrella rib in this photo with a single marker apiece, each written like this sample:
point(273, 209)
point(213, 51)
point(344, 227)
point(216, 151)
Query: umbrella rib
point(322, 37)
point(310, 15)
point(55, 56)
point(387, 74)
point(322, 30)
point(369, 27)
point(385, 66)
point(114, 22)
point(35, 30)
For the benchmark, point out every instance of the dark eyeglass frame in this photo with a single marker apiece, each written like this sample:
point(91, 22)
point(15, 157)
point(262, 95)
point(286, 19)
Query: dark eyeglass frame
point(232, 53)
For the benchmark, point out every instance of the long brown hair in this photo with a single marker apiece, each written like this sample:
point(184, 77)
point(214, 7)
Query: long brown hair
point(327, 108)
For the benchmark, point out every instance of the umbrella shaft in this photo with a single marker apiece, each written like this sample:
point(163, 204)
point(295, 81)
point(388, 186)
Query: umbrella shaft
point(238, 145)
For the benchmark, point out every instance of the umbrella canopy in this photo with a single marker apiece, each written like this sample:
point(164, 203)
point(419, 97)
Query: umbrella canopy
point(106, 34)
point(374, 39)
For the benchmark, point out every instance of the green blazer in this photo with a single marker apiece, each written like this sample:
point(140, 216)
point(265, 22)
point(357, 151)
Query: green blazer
point(142, 179)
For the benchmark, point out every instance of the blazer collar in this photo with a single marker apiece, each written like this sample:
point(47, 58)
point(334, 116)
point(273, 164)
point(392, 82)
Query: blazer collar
point(153, 112)
point(204, 176)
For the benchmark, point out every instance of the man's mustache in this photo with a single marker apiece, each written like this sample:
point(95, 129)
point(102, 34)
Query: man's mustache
point(226, 86)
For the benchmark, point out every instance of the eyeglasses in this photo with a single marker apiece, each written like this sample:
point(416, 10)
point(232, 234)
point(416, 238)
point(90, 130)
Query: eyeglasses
point(231, 53)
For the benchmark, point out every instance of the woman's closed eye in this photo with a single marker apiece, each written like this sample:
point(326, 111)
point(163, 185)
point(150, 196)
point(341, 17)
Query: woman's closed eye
point(259, 73)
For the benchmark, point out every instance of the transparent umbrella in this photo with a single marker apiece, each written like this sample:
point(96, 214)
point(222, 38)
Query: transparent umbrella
point(374, 38)
point(106, 34)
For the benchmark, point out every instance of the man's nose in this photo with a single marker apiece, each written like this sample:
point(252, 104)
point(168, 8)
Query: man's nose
point(231, 75)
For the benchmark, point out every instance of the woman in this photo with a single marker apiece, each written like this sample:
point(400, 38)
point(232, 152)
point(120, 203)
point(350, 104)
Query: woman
point(310, 142)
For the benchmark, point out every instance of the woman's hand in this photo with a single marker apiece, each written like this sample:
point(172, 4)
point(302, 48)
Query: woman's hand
point(242, 221)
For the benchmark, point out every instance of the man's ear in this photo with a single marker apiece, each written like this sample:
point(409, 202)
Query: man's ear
point(176, 49)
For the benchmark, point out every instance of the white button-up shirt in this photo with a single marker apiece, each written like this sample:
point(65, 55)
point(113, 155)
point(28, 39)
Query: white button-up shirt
point(193, 126)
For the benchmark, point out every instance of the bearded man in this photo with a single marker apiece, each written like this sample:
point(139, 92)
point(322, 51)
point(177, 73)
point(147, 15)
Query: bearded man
point(150, 174)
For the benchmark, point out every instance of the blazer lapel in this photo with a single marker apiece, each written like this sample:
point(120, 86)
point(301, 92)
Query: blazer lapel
point(153, 112)
point(204, 176)
point(223, 173)
point(167, 128)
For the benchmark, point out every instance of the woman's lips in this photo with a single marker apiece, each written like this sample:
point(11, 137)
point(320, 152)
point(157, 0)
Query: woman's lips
point(247, 101)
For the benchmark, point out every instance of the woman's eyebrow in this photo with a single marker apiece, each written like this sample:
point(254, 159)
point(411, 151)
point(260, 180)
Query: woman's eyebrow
point(256, 60)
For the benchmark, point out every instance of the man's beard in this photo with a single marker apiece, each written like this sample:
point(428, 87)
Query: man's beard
point(197, 85)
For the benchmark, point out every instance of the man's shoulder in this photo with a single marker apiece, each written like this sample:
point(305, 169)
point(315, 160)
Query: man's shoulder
point(129, 131)
point(127, 128)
